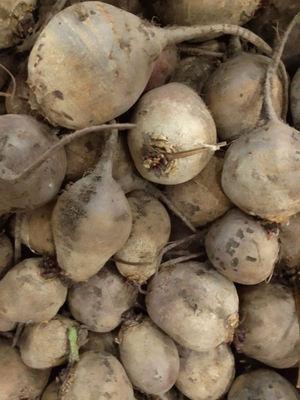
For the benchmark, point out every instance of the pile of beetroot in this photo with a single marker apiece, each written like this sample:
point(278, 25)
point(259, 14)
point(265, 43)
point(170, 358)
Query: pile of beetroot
point(149, 200)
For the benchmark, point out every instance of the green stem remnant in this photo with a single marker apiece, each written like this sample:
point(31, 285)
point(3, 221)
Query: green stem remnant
point(74, 349)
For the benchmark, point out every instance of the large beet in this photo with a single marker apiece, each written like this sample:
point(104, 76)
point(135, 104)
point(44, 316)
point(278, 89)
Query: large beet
point(262, 384)
point(26, 296)
point(100, 302)
point(197, 294)
point(269, 328)
point(110, 54)
point(149, 357)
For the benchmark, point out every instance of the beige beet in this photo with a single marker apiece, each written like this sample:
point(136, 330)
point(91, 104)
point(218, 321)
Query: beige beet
point(202, 199)
point(290, 241)
point(158, 126)
point(101, 342)
point(204, 12)
point(6, 254)
point(268, 308)
point(25, 296)
point(197, 294)
point(150, 231)
point(205, 375)
point(99, 375)
point(45, 345)
point(149, 356)
point(91, 220)
point(264, 384)
point(234, 95)
point(100, 302)
point(36, 229)
point(241, 249)
point(89, 92)
point(17, 381)
point(52, 391)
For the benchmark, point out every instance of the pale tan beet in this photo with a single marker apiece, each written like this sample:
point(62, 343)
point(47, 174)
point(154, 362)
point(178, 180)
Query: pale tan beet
point(99, 375)
point(17, 381)
point(204, 12)
point(101, 342)
point(264, 384)
point(25, 296)
point(197, 294)
point(149, 356)
point(190, 127)
point(150, 231)
point(91, 220)
point(290, 241)
point(23, 140)
point(261, 167)
point(194, 71)
point(241, 249)
point(88, 92)
point(45, 344)
point(100, 302)
point(295, 99)
point(202, 198)
point(36, 229)
point(269, 329)
point(205, 375)
point(6, 325)
point(52, 391)
point(234, 95)
point(163, 69)
point(13, 13)
point(6, 254)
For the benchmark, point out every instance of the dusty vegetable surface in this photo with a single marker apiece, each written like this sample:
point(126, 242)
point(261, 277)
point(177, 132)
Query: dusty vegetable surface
point(149, 200)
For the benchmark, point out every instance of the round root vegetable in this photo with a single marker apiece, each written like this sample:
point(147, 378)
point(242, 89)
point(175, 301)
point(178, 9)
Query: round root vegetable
point(98, 375)
point(52, 391)
point(202, 199)
point(23, 140)
point(91, 220)
point(16, 20)
point(234, 95)
point(150, 231)
point(261, 167)
point(204, 12)
point(149, 356)
point(163, 69)
point(295, 99)
point(100, 302)
point(289, 237)
point(262, 384)
point(110, 55)
point(205, 375)
point(194, 71)
point(269, 329)
point(101, 342)
point(26, 296)
point(36, 229)
point(17, 381)
point(241, 249)
point(6, 254)
point(45, 344)
point(197, 294)
point(171, 119)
